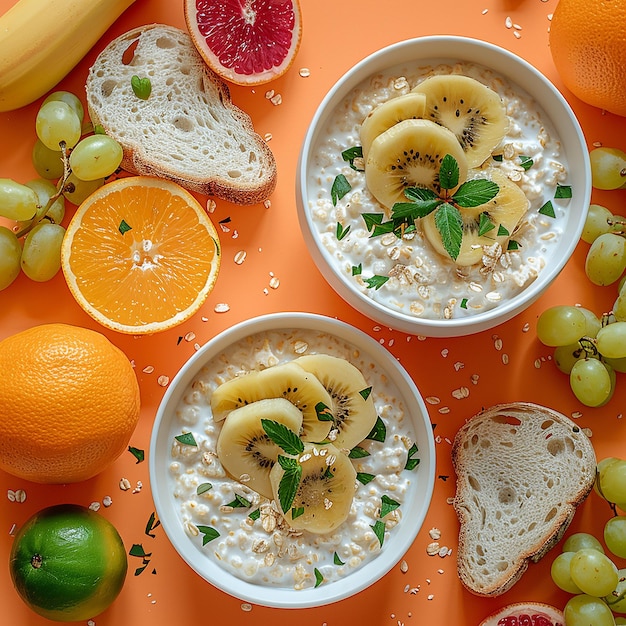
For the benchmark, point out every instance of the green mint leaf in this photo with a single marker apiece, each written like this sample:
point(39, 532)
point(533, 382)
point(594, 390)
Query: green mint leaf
point(295, 513)
point(137, 550)
point(485, 224)
point(323, 413)
point(255, 515)
point(384, 228)
point(379, 432)
point(337, 560)
point(473, 193)
point(137, 453)
point(563, 191)
point(414, 210)
point(415, 194)
point(502, 231)
point(341, 232)
point(240, 502)
point(208, 534)
point(379, 531)
point(450, 226)
point(187, 439)
point(203, 488)
point(153, 523)
point(365, 393)
point(357, 270)
point(289, 483)
point(548, 209)
point(282, 436)
point(124, 227)
point(376, 282)
point(513, 245)
point(387, 505)
point(352, 153)
point(448, 172)
point(411, 461)
point(340, 188)
point(364, 478)
point(142, 87)
point(372, 219)
point(358, 453)
point(319, 579)
point(526, 162)
point(98, 129)
point(497, 157)
point(463, 304)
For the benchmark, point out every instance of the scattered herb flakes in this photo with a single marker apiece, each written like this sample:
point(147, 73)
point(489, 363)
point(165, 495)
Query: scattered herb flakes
point(352, 153)
point(379, 531)
point(297, 512)
point(365, 393)
point(357, 270)
point(319, 579)
point(203, 488)
point(358, 453)
point(137, 453)
point(484, 224)
point(282, 436)
point(254, 515)
point(240, 502)
point(526, 162)
point(387, 506)
point(411, 461)
point(142, 87)
point(379, 432)
point(124, 227)
point(153, 523)
point(512, 245)
point(502, 231)
point(548, 209)
point(372, 220)
point(364, 478)
point(289, 483)
point(323, 413)
point(498, 158)
point(337, 560)
point(376, 282)
point(187, 439)
point(563, 192)
point(463, 304)
point(339, 189)
point(341, 232)
point(208, 534)
point(137, 550)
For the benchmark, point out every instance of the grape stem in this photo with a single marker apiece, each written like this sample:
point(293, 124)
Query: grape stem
point(61, 187)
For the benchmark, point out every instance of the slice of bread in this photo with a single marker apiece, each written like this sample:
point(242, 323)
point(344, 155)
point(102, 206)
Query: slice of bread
point(522, 469)
point(187, 130)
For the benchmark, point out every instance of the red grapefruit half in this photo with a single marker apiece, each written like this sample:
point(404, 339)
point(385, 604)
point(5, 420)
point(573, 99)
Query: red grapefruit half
point(247, 42)
point(525, 614)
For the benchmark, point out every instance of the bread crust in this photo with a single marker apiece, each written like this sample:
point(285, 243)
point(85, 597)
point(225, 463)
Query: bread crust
point(522, 470)
point(188, 130)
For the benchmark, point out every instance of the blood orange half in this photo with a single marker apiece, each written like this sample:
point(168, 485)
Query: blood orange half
point(247, 42)
point(525, 614)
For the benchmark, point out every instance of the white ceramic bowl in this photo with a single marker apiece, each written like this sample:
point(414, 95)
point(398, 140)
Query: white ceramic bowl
point(427, 52)
point(413, 509)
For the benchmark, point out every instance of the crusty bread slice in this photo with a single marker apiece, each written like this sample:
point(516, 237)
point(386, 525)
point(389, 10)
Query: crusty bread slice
point(522, 469)
point(188, 130)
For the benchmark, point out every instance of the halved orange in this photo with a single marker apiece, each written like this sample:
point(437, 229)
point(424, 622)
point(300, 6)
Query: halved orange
point(140, 255)
point(248, 42)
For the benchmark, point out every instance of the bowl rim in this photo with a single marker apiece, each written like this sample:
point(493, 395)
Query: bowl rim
point(528, 78)
point(397, 545)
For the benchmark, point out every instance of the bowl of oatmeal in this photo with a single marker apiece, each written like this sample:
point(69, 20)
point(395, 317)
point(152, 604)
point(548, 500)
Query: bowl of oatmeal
point(387, 268)
point(250, 543)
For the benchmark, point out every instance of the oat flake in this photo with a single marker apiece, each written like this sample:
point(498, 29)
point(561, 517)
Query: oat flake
point(163, 381)
point(305, 72)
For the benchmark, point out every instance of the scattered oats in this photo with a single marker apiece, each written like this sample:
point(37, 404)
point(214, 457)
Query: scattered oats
point(404, 567)
point(196, 346)
point(245, 606)
point(300, 347)
point(497, 342)
point(460, 393)
point(440, 571)
point(406, 588)
point(400, 83)
point(517, 27)
point(125, 484)
point(432, 548)
point(274, 282)
point(505, 358)
point(517, 35)
point(11, 495)
point(526, 327)
point(377, 329)
point(91, 623)
point(444, 551)
point(434, 533)
point(139, 487)
point(508, 22)
point(190, 336)
point(305, 72)
point(210, 206)
point(549, 17)
point(224, 226)
point(597, 144)
point(430, 596)
point(433, 400)
point(588, 432)
point(235, 234)
point(428, 581)
point(450, 500)
point(94, 506)
point(276, 100)
point(414, 590)
point(474, 378)
point(267, 204)
point(391, 342)
point(444, 410)
point(537, 363)
point(204, 319)
point(148, 369)
point(265, 291)
point(267, 136)
point(163, 381)
point(619, 416)
point(269, 94)
point(244, 478)
point(485, 11)
point(107, 501)
point(458, 366)
point(447, 440)
point(444, 352)
point(12, 530)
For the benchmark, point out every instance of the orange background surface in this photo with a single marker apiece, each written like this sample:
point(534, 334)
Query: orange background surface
point(336, 35)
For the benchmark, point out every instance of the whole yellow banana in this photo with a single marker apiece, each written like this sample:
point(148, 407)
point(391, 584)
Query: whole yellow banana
point(41, 41)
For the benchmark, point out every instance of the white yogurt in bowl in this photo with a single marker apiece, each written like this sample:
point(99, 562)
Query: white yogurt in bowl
point(403, 282)
point(235, 538)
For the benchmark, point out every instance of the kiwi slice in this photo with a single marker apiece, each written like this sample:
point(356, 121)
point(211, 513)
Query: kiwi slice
point(474, 112)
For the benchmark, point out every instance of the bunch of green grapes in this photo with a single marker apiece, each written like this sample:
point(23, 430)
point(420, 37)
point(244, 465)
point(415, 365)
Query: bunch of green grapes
point(79, 162)
point(584, 569)
point(608, 168)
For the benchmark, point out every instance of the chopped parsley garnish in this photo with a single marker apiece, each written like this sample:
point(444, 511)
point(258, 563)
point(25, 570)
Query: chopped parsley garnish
point(187, 439)
point(358, 453)
point(341, 232)
point(352, 153)
point(137, 453)
point(563, 191)
point(387, 506)
point(364, 478)
point(203, 488)
point(379, 531)
point(411, 461)
point(124, 227)
point(379, 432)
point(208, 534)
point(340, 188)
point(376, 282)
point(548, 209)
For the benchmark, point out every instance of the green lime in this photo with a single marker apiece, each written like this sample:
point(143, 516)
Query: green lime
point(68, 563)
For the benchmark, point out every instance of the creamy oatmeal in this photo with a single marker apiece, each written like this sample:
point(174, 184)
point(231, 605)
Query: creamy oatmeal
point(406, 274)
point(243, 531)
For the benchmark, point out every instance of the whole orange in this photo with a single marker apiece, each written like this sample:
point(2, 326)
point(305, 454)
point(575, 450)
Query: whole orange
point(588, 45)
point(69, 403)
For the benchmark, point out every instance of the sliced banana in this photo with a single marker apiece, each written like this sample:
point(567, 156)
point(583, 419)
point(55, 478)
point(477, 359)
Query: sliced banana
point(505, 212)
point(243, 447)
point(353, 407)
point(474, 112)
point(287, 381)
point(409, 154)
point(387, 114)
point(324, 495)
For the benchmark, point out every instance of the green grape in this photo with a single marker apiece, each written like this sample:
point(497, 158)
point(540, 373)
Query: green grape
point(48, 163)
point(96, 156)
point(615, 535)
point(620, 621)
point(593, 572)
point(585, 610)
point(564, 357)
point(596, 223)
point(580, 541)
point(617, 599)
point(56, 123)
point(591, 382)
point(611, 340)
point(560, 573)
point(618, 365)
point(619, 308)
point(606, 259)
point(45, 190)
point(77, 190)
point(17, 202)
point(10, 255)
point(601, 465)
point(41, 256)
point(69, 98)
point(608, 168)
point(618, 224)
point(593, 323)
point(612, 481)
point(561, 325)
